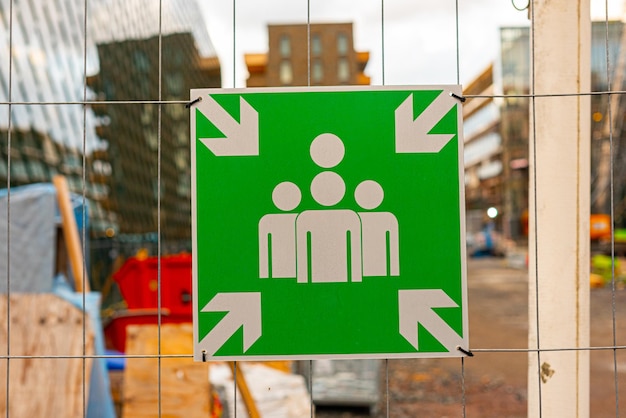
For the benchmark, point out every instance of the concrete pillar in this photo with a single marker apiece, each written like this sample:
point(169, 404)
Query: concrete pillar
point(558, 381)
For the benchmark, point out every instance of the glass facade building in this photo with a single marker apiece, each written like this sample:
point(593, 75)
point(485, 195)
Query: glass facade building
point(496, 150)
point(139, 52)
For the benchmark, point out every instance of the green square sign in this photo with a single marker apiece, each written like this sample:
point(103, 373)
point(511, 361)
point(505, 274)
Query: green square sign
point(328, 223)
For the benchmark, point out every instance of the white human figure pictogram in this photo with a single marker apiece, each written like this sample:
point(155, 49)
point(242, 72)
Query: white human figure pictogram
point(328, 241)
point(379, 233)
point(277, 234)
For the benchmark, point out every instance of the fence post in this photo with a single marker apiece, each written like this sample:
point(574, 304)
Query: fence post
point(558, 381)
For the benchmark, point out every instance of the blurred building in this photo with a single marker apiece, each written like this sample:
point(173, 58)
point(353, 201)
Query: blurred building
point(332, 59)
point(43, 60)
point(135, 51)
point(496, 137)
point(129, 71)
point(497, 130)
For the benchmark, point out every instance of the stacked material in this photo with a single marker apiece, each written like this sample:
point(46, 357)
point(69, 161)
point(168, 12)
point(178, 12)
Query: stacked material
point(277, 394)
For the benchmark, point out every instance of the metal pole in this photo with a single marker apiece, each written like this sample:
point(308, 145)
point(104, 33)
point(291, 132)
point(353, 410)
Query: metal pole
point(558, 383)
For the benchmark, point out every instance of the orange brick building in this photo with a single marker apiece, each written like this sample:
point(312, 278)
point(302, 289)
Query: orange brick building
point(333, 60)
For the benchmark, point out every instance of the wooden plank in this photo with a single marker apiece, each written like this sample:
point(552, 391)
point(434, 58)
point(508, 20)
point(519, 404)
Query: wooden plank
point(116, 380)
point(44, 325)
point(70, 234)
point(242, 385)
point(185, 389)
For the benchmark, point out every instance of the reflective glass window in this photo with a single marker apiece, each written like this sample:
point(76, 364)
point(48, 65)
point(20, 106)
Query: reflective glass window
point(342, 44)
point(286, 72)
point(285, 46)
point(343, 70)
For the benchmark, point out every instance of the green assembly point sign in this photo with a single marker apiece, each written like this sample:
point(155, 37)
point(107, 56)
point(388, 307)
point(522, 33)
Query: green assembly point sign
point(328, 223)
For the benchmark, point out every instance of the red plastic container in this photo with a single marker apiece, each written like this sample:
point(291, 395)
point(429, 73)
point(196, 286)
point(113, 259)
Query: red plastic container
point(138, 282)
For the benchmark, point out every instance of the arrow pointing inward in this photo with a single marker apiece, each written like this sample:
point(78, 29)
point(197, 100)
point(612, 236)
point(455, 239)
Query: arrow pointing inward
point(244, 310)
point(412, 135)
point(242, 138)
point(416, 306)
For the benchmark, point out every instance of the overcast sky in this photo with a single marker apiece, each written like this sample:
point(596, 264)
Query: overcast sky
point(420, 41)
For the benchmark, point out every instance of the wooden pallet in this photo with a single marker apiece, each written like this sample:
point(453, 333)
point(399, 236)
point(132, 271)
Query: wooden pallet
point(44, 325)
point(184, 384)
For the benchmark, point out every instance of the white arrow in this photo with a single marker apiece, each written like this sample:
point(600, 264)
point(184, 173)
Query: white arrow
point(416, 306)
point(412, 135)
point(244, 310)
point(242, 138)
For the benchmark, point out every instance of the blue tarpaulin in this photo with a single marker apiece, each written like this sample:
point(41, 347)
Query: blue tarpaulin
point(27, 257)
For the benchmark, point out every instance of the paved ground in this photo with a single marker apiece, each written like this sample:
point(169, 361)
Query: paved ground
point(496, 383)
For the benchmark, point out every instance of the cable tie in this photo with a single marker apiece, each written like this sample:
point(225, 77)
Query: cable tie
point(456, 96)
point(204, 356)
point(193, 102)
point(468, 353)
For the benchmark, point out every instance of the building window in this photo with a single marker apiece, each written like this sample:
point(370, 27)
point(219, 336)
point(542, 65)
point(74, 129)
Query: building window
point(18, 170)
point(183, 188)
point(146, 114)
point(343, 70)
point(49, 151)
point(286, 73)
point(176, 112)
point(152, 139)
point(342, 44)
point(316, 45)
point(37, 171)
point(141, 61)
point(317, 72)
point(178, 57)
point(285, 46)
point(181, 158)
point(175, 83)
point(102, 168)
point(109, 88)
point(72, 162)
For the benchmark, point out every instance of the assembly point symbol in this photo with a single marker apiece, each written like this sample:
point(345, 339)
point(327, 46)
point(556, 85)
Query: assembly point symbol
point(277, 241)
point(331, 244)
point(379, 232)
point(328, 241)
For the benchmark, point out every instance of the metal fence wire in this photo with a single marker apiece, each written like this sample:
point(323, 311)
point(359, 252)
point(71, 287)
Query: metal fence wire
point(97, 91)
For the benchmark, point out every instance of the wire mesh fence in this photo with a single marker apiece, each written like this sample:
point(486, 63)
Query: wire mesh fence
point(95, 94)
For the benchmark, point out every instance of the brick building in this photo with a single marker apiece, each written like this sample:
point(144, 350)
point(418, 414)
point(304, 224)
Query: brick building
point(332, 58)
